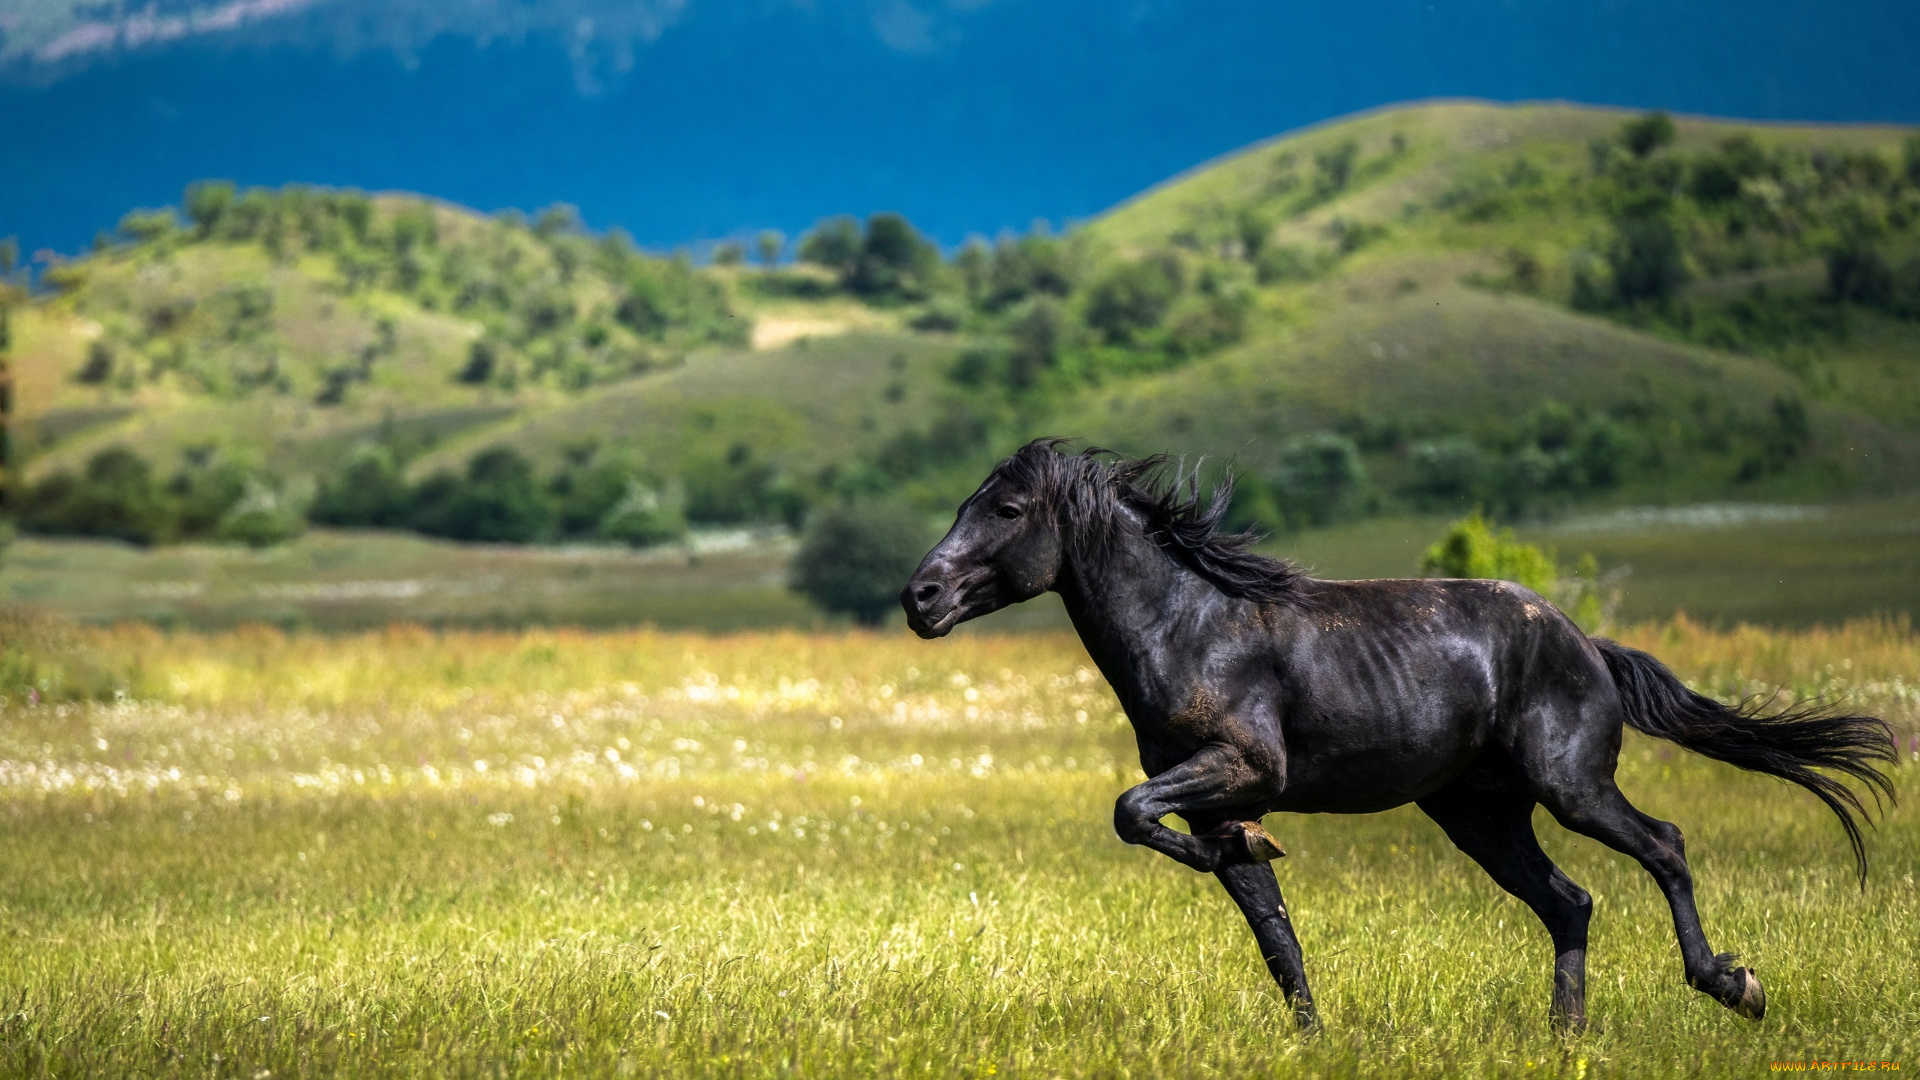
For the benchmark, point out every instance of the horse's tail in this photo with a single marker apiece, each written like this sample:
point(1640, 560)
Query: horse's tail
point(1790, 744)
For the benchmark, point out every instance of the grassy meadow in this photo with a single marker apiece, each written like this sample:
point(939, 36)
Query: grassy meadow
point(641, 853)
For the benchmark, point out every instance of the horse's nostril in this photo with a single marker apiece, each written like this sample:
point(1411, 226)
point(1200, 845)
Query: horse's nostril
point(926, 592)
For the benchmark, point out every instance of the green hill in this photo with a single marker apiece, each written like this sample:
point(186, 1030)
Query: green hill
point(1417, 309)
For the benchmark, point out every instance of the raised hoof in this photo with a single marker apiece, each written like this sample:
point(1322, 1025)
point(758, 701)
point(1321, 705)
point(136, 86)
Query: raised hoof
point(1261, 846)
point(1752, 999)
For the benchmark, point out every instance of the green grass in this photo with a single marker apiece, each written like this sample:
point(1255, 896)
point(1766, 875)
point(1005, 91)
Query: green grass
point(819, 856)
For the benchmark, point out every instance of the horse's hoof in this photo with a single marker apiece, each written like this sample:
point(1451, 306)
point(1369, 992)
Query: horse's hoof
point(1752, 1000)
point(1261, 845)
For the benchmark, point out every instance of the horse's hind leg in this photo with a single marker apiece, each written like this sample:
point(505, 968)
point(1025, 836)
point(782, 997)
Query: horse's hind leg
point(1604, 814)
point(1495, 828)
point(1254, 889)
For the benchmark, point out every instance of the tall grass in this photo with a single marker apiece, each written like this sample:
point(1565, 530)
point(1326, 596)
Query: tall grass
point(554, 853)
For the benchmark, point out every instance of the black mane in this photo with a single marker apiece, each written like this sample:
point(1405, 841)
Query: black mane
point(1087, 489)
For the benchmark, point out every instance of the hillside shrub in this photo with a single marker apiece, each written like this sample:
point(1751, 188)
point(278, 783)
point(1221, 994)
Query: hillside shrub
point(1320, 480)
point(894, 261)
point(117, 497)
point(260, 518)
point(740, 488)
point(1447, 471)
point(644, 516)
point(1646, 256)
point(856, 557)
point(1018, 268)
point(204, 491)
point(1645, 134)
point(369, 492)
point(1133, 298)
point(833, 244)
point(496, 501)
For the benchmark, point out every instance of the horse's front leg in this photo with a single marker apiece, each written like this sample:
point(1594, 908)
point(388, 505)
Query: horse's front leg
point(1206, 789)
point(1217, 790)
point(1254, 889)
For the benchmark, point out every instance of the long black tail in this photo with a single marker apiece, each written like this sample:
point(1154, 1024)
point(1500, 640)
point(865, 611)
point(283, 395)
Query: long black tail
point(1791, 744)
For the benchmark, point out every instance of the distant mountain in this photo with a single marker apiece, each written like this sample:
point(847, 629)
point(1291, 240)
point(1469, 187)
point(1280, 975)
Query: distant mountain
point(690, 120)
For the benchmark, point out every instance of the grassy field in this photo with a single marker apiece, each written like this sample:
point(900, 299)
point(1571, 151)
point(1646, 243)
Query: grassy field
point(545, 854)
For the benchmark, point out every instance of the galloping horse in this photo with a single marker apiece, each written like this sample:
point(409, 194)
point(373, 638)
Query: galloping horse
point(1254, 688)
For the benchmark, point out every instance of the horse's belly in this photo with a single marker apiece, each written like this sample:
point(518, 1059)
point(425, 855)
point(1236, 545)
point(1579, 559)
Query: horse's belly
point(1364, 770)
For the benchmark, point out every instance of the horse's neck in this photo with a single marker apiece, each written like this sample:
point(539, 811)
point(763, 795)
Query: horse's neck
point(1127, 602)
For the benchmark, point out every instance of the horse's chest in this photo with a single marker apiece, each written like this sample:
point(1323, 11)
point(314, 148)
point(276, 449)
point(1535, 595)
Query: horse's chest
point(1171, 731)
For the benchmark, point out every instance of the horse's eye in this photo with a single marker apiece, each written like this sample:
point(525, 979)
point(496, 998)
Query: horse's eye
point(1008, 511)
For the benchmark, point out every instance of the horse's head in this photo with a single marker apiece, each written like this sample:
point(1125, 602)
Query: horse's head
point(1005, 547)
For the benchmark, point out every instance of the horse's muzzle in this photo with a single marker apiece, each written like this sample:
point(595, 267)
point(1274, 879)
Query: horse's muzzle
point(933, 606)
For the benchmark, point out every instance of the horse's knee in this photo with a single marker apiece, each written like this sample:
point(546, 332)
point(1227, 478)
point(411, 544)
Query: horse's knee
point(1133, 816)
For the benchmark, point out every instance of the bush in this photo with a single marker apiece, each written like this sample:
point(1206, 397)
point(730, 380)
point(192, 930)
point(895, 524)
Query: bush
point(1447, 472)
point(856, 558)
point(645, 516)
point(1321, 480)
point(740, 488)
point(1283, 262)
point(261, 518)
point(1646, 256)
point(768, 246)
point(1471, 548)
point(369, 492)
point(496, 502)
point(1016, 269)
point(1646, 134)
point(894, 260)
point(116, 498)
point(207, 201)
point(1133, 298)
point(833, 244)
point(203, 493)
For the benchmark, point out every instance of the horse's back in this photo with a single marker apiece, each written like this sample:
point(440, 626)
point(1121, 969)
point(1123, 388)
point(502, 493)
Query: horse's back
point(1398, 687)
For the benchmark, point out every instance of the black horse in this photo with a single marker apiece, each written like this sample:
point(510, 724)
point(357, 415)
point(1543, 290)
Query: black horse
point(1254, 688)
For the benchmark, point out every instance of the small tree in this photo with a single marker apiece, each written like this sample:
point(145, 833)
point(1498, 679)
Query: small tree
point(1133, 298)
point(769, 245)
point(369, 492)
point(261, 518)
point(497, 502)
point(857, 557)
point(207, 202)
point(1647, 258)
point(645, 516)
point(1646, 134)
point(833, 244)
point(1321, 479)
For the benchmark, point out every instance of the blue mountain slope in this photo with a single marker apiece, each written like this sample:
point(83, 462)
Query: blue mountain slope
point(688, 120)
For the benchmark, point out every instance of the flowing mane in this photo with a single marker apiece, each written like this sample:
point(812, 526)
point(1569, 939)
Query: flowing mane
point(1087, 489)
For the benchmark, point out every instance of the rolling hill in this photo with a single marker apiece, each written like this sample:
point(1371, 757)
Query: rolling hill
point(1449, 295)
